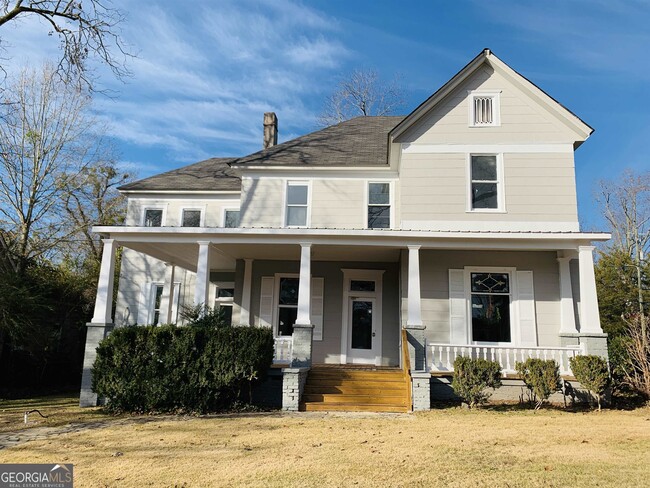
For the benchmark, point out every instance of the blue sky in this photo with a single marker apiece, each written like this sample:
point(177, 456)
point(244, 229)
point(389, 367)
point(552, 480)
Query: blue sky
point(204, 76)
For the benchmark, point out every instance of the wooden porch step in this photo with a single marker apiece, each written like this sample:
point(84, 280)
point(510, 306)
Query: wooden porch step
point(399, 400)
point(329, 388)
point(358, 389)
point(341, 407)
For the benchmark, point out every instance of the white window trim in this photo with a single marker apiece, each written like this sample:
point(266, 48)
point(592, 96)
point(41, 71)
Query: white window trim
point(391, 201)
point(496, 107)
point(151, 307)
point(162, 207)
point(227, 301)
point(349, 275)
point(287, 183)
point(501, 198)
point(514, 298)
point(276, 300)
point(229, 209)
point(200, 208)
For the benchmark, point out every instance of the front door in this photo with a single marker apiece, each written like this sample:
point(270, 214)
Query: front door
point(363, 343)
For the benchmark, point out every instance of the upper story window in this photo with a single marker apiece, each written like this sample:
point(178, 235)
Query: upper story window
point(484, 109)
point(231, 218)
point(153, 217)
point(485, 185)
point(297, 204)
point(191, 218)
point(378, 205)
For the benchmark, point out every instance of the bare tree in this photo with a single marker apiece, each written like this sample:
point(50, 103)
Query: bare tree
point(626, 207)
point(85, 30)
point(362, 93)
point(94, 201)
point(47, 140)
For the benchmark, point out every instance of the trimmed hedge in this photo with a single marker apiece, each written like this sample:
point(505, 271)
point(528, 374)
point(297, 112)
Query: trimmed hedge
point(170, 368)
point(472, 377)
point(592, 373)
point(542, 378)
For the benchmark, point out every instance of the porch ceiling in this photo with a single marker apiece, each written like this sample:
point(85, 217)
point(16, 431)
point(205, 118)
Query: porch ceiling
point(223, 256)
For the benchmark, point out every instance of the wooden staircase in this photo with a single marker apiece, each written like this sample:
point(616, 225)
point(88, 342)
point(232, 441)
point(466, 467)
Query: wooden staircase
point(351, 389)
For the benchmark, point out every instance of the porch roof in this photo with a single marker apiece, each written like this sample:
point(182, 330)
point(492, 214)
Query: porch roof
point(178, 245)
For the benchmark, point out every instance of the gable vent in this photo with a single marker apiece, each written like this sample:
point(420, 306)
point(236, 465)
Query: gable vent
point(483, 111)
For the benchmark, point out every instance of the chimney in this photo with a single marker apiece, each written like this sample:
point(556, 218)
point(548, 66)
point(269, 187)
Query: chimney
point(270, 129)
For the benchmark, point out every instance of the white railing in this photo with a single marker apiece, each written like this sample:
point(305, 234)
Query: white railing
point(283, 349)
point(441, 357)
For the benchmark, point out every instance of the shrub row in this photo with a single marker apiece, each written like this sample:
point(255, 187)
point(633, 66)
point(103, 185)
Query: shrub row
point(169, 368)
point(473, 376)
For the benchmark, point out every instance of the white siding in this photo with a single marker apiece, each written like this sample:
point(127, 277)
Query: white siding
point(173, 205)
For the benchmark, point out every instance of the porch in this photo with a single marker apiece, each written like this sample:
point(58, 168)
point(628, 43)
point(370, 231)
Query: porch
point(419, 284)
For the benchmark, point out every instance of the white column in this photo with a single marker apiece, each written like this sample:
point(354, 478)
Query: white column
point(304, 289)
point(202, 285)
point(567, 315)
point(167, 299)
point(589, 316)
point(245, 315)
point(104, 298)
point(414, 313)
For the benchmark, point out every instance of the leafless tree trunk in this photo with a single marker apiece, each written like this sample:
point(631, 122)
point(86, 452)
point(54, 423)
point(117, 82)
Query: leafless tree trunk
point(637, 369)
point(85, 29)
point(47, 139)
point(362, 94)
point(626, 207)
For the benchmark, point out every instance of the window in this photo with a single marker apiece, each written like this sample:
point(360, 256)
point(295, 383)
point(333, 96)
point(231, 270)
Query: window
point(484, 109)
point(156, 299)
point(224, 301)
point(191, 218)
point(297, 197)
point(485, 182)
point(153, 217)
point(231, 218)
point(362, 285)
point(287, 305)
point(378, 205)
point(490, 302)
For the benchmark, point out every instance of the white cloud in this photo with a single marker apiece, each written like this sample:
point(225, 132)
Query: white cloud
point(203, 77)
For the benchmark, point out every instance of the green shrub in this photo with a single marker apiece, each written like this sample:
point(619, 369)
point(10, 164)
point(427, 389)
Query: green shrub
point(592, 373)
point(170, 368)
point(472, 377)
point(542, 378)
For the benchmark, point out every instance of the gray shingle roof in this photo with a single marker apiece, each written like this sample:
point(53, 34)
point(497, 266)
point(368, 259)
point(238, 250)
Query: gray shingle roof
point(361, 141)
point(213, 174)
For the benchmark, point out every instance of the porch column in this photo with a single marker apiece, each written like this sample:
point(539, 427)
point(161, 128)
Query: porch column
point(589, 315)
point(245, 314)
point(104, 298)
point(101, 323)
point(414, 323)
point(567, 315)
point(167, 299)
point(202, 285)
point(303, 328)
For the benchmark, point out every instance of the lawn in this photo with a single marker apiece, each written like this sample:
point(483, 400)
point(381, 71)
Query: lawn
point(447, 447)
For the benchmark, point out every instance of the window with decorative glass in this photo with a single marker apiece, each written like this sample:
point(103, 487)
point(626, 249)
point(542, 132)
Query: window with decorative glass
point(153, 217)
point(297, 204)
point(485, 182)
point(191, 218)
point(378, 205)
point(490, 302)
point(287, 305)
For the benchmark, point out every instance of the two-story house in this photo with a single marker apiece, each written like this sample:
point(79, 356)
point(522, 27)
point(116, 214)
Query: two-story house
point(457, 224)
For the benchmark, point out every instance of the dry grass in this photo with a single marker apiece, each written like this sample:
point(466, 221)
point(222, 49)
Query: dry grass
point(59, 409)
point(451, 447)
